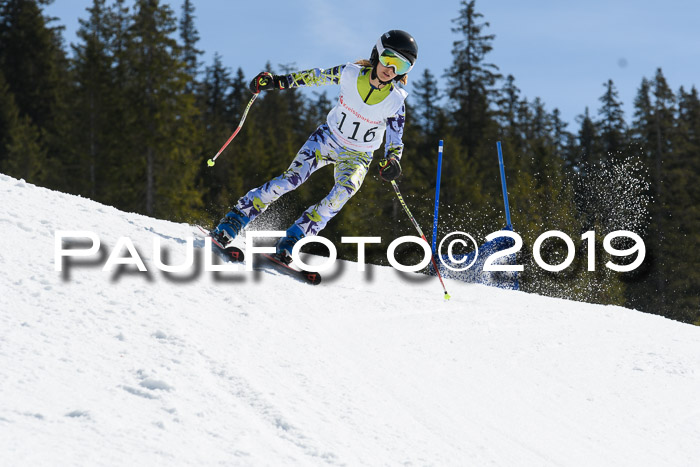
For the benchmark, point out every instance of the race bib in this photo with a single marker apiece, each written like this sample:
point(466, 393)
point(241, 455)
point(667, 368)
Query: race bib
point(356, 124)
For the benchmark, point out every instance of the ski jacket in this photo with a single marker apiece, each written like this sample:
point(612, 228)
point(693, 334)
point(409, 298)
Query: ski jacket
point(363, 113)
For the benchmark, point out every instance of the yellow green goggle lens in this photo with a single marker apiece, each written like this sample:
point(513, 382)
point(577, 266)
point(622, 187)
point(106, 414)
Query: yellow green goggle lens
point(389, 58)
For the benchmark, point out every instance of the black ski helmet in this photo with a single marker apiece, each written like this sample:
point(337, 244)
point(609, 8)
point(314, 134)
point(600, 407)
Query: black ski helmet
point(400, 42)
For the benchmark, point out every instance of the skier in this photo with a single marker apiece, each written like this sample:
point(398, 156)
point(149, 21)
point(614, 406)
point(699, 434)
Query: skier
point(370, 103)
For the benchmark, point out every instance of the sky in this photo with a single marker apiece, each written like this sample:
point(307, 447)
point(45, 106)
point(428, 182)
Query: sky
point(561, 51)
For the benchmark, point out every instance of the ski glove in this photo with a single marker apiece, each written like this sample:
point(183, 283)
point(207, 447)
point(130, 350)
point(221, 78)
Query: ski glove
point(265, 81)
point(389, 169)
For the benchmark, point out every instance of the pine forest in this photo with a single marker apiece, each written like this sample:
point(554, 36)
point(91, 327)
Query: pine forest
point(129, 114)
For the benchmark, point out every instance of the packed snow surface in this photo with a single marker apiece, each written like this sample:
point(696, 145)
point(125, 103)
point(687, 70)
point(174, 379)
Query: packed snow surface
point(125, 367)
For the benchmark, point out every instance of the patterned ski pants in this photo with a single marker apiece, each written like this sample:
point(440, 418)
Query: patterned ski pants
point(319, 150)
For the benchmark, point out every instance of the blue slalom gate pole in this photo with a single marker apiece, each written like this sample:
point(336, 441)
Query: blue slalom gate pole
point(437, 198)
point(503, 184)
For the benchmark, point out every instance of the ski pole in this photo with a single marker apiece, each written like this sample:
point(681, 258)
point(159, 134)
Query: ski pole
point(211, 161)
point(413, 219)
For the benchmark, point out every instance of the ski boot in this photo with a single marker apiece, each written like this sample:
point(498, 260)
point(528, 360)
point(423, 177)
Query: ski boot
point(286, 244)
point(230, 227)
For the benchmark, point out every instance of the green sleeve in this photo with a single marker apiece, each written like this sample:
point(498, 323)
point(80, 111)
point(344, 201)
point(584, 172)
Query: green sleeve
point(314, 77)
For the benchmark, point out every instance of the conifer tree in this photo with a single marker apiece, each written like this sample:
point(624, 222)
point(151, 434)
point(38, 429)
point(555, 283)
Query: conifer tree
point(189, 37)
point(214, 91)
point(653, 129)
point(471, 79)
point(470, 82)
point(22, 154)
point(238, 97)
point(584, 160)
point(683, 185)
point(93, 103)
point(27, 59)
point(25, 153)
point(588, 139)
point(663, 121)
point(642, 129)
point(426, 125)
point(214, 104)
point(424, 99)
point(612, 124)
point(508, 102)
point(561, 138)
point(9, 114)
point(33, 64)
point(164, 132)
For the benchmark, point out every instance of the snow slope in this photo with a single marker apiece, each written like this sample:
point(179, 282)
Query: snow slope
point(373, 368)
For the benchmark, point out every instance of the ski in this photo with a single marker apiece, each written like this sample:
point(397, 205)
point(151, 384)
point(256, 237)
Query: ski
point(312, 278)
point(235, 254)
point(231, 253)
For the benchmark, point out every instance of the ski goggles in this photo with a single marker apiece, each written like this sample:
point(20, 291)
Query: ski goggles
point(392, 59)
